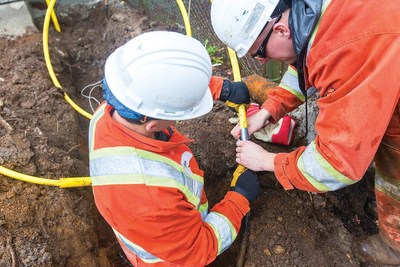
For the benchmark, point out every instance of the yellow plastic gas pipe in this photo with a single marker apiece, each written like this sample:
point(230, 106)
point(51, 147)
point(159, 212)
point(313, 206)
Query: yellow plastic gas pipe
point(244, 135)
point(241, 110)
point(86, 181)
point(240, 168)
point(62, 182)
point(54, 18)
point(46, 43)
point(235, 65)
point(48, 61)
point(185, 17)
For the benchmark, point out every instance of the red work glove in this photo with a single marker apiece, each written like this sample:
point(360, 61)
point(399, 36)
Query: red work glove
point(280, 133)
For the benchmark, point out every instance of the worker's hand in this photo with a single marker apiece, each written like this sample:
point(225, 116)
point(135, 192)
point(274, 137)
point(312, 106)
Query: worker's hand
point(234, 94)
point(254, 157)
point(254, 123)
point(247, 185)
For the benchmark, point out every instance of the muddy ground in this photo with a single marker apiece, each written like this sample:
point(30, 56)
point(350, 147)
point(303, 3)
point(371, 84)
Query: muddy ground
point(41, 135)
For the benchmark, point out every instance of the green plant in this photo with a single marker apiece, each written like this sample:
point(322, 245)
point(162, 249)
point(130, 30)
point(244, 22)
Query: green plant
point(213, 51)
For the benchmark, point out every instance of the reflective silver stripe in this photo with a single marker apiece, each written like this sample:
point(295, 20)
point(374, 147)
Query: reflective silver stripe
point(387, 187)
point(223, 229)
point(139, 251)
point(319, 172)
point(290, 82)
point(310, 91)
point(93, 122)
point(127, 165)
point(203, 209)
point(314, 33)
point(116, 165)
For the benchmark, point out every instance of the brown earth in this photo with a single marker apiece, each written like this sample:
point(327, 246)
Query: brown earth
point(41, 135)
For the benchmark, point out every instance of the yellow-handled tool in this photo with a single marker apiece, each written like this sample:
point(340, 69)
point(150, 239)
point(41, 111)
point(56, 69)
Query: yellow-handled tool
point(244, 135)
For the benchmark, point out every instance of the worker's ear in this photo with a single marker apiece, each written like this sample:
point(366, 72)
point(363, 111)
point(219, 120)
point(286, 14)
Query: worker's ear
point(151, 126)
point(282, 29)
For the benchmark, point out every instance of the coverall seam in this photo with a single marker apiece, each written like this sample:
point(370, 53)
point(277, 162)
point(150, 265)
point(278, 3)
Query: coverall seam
point(332, 50)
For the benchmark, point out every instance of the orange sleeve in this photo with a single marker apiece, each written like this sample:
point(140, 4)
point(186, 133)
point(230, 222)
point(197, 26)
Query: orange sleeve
point(215, 86)
point(286, 97)
point(280, 102)
point(288, 175)
point(181, 236)
point(359, 90)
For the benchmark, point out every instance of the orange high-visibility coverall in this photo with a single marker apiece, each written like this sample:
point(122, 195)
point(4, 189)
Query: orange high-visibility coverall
point(353, 62)
point(151, 193)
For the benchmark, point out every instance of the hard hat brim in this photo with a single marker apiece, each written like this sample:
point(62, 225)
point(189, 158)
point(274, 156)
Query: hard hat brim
point(204, 107)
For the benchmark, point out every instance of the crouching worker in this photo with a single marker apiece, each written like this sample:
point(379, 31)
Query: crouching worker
point(146, 182)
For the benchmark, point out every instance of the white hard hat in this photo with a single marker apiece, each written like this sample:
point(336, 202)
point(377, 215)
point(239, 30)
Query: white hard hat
point(161, 74)
point(238, 23)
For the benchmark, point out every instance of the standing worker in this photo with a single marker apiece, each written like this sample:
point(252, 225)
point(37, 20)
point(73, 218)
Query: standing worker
point(349, 52)
point(146, 182)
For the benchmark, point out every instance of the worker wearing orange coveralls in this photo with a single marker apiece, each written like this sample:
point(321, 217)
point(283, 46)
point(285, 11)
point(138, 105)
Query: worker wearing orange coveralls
point(349, 52)
point(146, 182)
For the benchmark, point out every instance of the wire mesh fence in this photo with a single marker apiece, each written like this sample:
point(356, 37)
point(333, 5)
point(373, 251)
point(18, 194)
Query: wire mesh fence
point(199, 15)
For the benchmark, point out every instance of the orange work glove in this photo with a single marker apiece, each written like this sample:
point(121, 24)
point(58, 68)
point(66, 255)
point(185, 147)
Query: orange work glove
point(259, 87)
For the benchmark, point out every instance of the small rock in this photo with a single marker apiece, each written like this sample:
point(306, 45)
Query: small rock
point(294, 254)
point(279, 250)
point(10, 194)
point(267, 252)
point(28, 104)
point(7, 111)
point(118, 17)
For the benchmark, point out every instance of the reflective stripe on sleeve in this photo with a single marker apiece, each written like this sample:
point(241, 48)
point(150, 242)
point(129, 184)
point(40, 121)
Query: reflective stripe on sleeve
point(290, 83)
point(223, 229)
point(387, 187)
point(127, 165)
point(137, 250)
point(319, 172)
point(96, 116)
point(314, 33)
point(203, 209)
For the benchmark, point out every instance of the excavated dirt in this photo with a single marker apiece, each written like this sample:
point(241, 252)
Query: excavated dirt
point(41, 135)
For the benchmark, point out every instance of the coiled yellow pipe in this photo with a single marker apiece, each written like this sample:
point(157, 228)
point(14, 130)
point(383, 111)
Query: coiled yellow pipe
point(49, 12)
point(86, 181)
point(62, 182)
point(54, 18)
